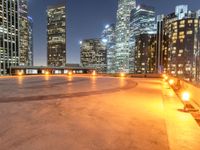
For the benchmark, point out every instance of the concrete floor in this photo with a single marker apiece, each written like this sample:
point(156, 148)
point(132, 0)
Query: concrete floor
point(92, 113)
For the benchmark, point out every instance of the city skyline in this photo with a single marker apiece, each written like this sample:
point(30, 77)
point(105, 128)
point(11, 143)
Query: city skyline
point(91, 27)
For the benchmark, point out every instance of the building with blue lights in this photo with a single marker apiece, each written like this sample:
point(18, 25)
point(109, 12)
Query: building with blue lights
point(108, 37)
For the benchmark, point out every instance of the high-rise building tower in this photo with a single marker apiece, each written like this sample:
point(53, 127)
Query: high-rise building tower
point(180, 43)
point(23, 32)
point(30, 45)
point(93, 54)
point(142, 23)
point(56, 36)
point(122, 48)
point(108, 38)
point(9, 35)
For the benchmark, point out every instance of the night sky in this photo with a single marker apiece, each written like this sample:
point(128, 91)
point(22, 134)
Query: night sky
point(86, 19)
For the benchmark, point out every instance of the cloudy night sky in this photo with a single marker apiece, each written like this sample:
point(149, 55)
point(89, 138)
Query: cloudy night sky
point(85, 19)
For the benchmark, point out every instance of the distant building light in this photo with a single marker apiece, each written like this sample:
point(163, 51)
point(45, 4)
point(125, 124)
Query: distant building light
point(107, 26)
point(104, 40)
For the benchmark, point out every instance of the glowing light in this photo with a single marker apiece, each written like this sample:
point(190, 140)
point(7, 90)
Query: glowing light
point(107, 26)
point(171, 81)
point(122, 74)
point(20, 73)
point(47, 73)
point(70, 73)
point(186, 96)
point(80, 42)
point(166, 77)
point(94, 73)
point(104, 40)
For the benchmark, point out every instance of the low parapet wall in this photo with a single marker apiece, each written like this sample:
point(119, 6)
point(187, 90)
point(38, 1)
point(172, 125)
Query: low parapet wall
point(192, 89)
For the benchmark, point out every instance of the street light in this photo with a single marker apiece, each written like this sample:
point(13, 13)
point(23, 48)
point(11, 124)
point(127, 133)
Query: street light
point(171, 82)
point(166, 78)
point(47, 73)
point(20, 73)
point(122, 74)
point(70, 73)
point(94, 73)
point(186, 98)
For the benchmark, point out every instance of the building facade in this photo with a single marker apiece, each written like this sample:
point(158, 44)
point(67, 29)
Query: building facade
point(122, 48)
point(30, 45)
point(143, 22)
point(9, 35)
point(108, 37)
point(56, 36)
point(93, 54)
point(145, 54)
point(23, 32)
point(180, 43)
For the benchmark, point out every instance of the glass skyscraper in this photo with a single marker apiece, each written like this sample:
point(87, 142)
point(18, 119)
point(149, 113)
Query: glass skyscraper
point(142, 26)
point(24, 32)
point(56, 36)
point(122, 48)
point(9, 35)
point(108, 38)
point(30, 46)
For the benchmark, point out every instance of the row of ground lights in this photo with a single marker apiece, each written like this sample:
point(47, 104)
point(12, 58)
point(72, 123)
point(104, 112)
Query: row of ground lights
point(185, 96)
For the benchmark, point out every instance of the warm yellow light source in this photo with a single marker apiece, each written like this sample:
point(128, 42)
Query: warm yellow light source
point(47, 73)
point(94, 73)
point(171, 81)
point(122, 74)
point(20, 73)
point(166, 77)
point(70, 73)
point(185, 96)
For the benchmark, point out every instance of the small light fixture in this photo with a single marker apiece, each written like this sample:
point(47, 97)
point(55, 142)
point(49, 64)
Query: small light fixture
point(171, 82)
point(20, 73)
point(47, 73)
point(186, 96)
point(70, 73)
point(122, 74)
point(94, 73)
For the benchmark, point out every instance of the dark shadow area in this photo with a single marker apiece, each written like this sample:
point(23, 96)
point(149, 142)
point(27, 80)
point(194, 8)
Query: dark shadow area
point(129, 85)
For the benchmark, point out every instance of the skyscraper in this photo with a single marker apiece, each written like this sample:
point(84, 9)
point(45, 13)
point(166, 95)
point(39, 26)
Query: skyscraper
point(145, 54)
point(56, 36)
point(108, 37)
point(159, 40)
point(142, 23)
point(93, 54)
point(180, 45)
point(23, 32)
point(122, 48)
point(9, 35)
point(30, 45)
